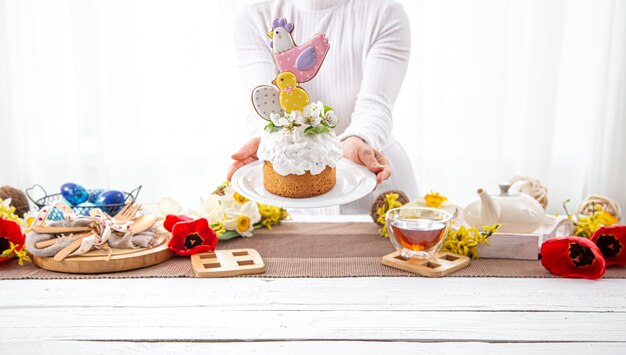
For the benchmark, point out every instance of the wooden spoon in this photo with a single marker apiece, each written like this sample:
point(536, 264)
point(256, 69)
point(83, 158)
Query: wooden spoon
point(143, 223)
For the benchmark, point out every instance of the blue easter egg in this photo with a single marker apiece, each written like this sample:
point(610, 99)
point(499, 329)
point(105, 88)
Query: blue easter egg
point(110, 197)
point(74, 193)
point(94, 194)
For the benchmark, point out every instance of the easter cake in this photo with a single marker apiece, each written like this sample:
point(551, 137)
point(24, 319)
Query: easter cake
point(299, 148)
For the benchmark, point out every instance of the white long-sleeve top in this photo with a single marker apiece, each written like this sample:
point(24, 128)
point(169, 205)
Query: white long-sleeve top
point(361, 74)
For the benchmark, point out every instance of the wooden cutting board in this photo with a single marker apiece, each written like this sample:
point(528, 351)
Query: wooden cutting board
point(99, 261)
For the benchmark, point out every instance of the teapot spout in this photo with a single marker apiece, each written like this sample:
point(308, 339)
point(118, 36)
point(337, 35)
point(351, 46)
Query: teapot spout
point(490, 210)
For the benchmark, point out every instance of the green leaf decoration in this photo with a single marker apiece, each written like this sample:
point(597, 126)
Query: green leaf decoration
point(270, 127)
point(322, 128)
point(327, 108)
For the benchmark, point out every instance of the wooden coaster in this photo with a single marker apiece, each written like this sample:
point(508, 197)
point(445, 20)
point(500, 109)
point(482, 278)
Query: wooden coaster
point(442, 265)
point(225, 263)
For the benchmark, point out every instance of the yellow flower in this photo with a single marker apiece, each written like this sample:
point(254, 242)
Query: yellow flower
point(218, 228)
point(20, 253)
point(271, 215)
point(390, 202)
point(243, 224)
point(240, 199)
point(464, 241)
point(434, 199)
point(584, 226)
point(8, 212)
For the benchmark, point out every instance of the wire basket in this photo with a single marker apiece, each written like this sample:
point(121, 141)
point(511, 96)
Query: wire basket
point(56, 214)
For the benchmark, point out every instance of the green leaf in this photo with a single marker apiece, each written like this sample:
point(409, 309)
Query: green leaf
point(322, 128)
point(327, 108)
point(270, 127)
point(228, 235)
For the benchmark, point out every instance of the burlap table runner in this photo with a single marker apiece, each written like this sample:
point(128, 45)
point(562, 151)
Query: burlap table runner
point(311, 250)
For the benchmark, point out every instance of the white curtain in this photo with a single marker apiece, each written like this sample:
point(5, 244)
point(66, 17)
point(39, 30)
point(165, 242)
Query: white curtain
point(122, 93)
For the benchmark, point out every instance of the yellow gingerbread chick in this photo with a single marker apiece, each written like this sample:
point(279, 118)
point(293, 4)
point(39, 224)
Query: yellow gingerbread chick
point(292, 97)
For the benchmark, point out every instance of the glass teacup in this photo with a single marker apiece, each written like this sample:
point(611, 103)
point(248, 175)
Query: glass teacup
point(417, 232)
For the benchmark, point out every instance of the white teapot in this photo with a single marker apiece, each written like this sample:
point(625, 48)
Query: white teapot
point(516, 212)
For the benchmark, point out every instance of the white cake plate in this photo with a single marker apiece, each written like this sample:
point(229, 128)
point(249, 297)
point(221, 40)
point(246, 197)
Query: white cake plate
point(353, 182)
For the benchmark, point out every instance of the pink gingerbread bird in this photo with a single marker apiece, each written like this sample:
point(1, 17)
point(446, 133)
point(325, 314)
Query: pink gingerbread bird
point(303, 61)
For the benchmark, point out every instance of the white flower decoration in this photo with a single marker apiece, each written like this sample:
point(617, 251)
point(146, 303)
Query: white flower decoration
point(331, 118)
point(311, 121)
point(168, 205)
point(279, 120)
point(243, 219)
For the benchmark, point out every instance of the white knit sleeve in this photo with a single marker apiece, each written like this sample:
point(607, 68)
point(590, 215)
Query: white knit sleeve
point(383, 73)
point(255, 62)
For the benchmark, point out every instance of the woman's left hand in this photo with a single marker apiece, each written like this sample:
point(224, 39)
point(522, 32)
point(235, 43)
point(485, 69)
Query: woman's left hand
point(355, 149)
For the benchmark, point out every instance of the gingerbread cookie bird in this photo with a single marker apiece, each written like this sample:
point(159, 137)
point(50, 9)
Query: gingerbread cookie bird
point(303, 61)
point(292, 97)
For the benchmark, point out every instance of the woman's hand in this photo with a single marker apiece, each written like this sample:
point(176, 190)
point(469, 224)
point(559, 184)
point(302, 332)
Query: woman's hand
point(245, 155)
point(355, 149)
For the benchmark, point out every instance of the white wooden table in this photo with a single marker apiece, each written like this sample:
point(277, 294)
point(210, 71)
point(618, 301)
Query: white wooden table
point(313, 316)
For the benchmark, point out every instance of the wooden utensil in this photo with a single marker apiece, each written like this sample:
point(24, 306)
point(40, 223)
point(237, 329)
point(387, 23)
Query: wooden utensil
point(127, 213)
point(53, 241)
point(224, 263)
point(143, 223)
point(57, 230)
point(61, 255)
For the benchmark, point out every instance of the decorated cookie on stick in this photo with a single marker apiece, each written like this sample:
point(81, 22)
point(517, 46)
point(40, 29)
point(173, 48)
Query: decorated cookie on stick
point(303, 61)
point(266, 101)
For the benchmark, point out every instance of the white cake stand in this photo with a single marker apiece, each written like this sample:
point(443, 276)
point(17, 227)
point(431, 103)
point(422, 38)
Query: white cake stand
point(353, 182)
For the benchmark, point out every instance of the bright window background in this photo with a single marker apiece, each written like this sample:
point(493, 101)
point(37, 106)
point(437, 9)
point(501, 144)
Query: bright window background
point(124, 93)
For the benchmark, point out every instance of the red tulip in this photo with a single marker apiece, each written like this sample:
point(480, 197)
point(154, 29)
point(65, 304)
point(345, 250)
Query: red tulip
point(612, 243)
point(192, 236)
point(172, 219)
point(573, 257)
point(9, 232)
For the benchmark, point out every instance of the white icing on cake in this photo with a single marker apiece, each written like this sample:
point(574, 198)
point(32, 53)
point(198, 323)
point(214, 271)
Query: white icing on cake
point(294, 152)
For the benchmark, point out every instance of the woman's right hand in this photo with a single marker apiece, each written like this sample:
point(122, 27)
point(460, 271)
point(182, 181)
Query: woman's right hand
point(245, 155)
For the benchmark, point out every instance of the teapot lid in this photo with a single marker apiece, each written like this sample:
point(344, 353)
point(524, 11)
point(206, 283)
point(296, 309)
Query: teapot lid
point(504, 190)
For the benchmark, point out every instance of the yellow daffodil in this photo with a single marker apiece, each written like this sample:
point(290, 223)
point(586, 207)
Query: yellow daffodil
point(243, 224)
point(242, 219)
point(239, 199)
point(434, 199)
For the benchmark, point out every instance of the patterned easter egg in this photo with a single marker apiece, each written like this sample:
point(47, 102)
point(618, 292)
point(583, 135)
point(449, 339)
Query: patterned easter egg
point(74, 194)
point(94, 194)
point(265, 101)
point(110, 197)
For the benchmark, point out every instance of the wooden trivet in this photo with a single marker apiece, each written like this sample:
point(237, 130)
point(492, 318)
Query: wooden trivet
point(225, 263)
point(443, 264)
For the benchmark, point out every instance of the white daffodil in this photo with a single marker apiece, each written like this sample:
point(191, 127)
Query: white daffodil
point(211, 209)
point(228, 199)
point(331, 118)
point(243, 219)
point(168, 205)
point(279, 120)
